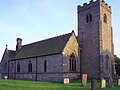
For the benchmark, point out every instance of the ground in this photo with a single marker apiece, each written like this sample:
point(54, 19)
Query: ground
point(33, 85)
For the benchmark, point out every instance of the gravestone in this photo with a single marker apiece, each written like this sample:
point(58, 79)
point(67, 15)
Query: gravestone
point(103, 83)
point(5, 77)
point(84, 79)
point(94, 84)
point(118, 82)
point(66, 81)
point(110, 81)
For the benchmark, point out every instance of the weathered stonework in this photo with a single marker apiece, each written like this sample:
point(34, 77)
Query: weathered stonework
point(95, 39)
point(57, 65)
point(71, 47)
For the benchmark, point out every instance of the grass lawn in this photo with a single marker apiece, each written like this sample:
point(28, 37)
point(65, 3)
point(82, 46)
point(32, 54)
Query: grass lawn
point(33, 85)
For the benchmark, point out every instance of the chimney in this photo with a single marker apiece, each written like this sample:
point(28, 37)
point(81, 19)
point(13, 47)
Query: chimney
point(19, 44)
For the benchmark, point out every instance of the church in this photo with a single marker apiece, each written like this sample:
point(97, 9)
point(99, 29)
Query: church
point(67, 55)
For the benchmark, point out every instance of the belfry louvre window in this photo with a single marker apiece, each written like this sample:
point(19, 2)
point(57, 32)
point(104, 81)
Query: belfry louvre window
point(72, 63)
point(30, 66)
point(105, 18)
point(18, 67)
point(89, 18)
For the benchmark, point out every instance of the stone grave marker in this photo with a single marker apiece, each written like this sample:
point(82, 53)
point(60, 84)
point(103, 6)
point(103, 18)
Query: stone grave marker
point(84, 79)
point(118, 82)
point(110, 81)
point(94, 84)
point(103, 83)
point(66, 81)
point(5, 77)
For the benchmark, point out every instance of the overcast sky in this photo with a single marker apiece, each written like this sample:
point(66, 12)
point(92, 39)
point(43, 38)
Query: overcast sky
point(35, 20)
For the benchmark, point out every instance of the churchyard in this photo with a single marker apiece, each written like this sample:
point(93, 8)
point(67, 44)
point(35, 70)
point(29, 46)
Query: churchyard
point(37, 85)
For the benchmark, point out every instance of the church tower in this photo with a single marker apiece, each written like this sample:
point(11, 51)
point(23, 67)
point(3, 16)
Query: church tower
point(96, 39)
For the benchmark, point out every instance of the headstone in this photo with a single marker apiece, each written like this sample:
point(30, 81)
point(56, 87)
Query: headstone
point(66, 81)
point(103, 83)
point(110, 81)
point(94, 84)
point(0, 75)
point(84, 79)
point(118, 82)
point(5, 77)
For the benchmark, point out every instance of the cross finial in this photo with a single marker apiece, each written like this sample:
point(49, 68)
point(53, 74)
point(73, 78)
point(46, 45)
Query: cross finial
point(6, 45)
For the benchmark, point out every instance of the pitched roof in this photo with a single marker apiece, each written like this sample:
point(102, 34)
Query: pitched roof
point(45, 47)
point(8, 53)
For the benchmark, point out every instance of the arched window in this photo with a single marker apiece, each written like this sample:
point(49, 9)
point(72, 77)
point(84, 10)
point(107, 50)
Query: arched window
point(89, 18)
point(30, 66)
point(18, 67)
point(72, 62)
point(45, 66)
point(105, 18)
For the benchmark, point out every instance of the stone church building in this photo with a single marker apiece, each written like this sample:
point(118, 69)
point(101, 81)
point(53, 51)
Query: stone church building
point(68, 55)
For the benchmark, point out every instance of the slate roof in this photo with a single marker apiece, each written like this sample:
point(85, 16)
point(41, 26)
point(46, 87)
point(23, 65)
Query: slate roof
point(50, 46)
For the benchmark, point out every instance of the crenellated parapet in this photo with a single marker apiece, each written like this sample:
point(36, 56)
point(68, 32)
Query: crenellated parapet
point(93, 3)
point(105, 5)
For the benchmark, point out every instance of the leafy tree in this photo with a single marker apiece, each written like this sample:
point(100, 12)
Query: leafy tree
point(117, 65)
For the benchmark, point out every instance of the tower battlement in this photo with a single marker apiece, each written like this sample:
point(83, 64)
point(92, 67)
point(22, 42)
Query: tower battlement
point(93, 3)
point(105, 4)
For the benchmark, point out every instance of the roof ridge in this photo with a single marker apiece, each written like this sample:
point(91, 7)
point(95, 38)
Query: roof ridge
point(47, 39)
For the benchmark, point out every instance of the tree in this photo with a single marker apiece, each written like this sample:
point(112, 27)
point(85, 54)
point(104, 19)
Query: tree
point(117, 65)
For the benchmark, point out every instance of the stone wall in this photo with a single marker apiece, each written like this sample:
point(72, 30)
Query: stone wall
point(71, 47)
point(88, 36)
point(95, 38)
point(106, 40)
point(57, 65)
point(4, 64)
point(53, 68)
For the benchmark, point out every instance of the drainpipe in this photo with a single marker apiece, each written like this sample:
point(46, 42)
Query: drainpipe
point(36, 67)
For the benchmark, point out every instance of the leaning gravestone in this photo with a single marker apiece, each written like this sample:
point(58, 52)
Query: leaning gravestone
point(84, 79)
point(94, 84)
point(103, 83)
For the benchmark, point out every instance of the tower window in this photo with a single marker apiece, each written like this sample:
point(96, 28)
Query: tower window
point(18, 67)
point(105, 18)
point(107, 58)
point(89, 18)
point(45, 66)
point(30, 66)
point(72, 63)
